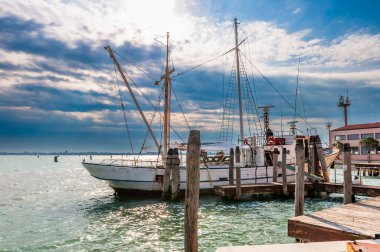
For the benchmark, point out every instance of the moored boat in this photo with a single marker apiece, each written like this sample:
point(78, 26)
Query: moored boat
point(256, 156)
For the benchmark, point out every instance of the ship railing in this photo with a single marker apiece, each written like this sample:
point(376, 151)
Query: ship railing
point(131, 162)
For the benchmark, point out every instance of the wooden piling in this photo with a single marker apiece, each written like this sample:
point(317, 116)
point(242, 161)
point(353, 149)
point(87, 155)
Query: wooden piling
point(347, 178)
point(300, 177)
point(166, 184)
point(275, 164)
point(238, 173)
point(313, 162)
point(175, 178)
point(317, 170)
point(322, 160)
point(192, 191)
point(231, 167)
point(284, 176)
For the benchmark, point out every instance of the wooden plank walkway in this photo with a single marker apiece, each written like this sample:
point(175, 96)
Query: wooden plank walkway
point(252, 189)
point(359, 220)
point(332, 246)
point(276, 189)
point(361, 190)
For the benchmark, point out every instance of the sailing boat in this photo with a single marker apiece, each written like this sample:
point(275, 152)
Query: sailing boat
point(147, 176)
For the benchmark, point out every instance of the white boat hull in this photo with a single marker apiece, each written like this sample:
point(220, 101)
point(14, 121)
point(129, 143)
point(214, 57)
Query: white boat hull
point(149, 179)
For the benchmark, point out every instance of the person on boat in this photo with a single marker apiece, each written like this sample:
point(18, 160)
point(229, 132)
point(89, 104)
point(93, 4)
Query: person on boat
point(270, 137)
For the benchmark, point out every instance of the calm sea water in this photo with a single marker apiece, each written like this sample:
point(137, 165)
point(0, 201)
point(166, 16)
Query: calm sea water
point(60, 207)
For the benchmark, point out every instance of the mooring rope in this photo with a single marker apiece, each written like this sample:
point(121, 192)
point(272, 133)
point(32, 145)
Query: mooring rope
point(122, 106)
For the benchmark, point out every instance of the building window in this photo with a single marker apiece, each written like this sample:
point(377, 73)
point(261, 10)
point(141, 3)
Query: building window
point(367, 135)
point(377, 135)
point(355, 150)
point(365, 150)
point(353, 137)
point(340, 137)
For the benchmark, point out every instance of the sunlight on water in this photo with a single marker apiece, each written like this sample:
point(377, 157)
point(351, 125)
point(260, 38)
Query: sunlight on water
point(60, 207)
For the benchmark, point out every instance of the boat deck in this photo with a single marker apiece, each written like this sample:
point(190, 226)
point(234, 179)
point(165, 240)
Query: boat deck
point(359, 220)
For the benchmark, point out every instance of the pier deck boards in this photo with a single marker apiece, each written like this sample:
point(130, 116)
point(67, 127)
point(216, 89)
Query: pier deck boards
point(359, 220)
point(276, 189)
point(252, 189)
point(332, 246)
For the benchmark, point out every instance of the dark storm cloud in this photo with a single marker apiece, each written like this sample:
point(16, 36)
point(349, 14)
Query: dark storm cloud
point(28, 36)
point(49, 98)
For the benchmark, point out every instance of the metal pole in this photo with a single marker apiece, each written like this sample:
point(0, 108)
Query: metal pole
point(238, 80)
point(167, 101)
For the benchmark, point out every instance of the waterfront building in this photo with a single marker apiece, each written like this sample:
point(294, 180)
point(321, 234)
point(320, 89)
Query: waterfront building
point(352, 134)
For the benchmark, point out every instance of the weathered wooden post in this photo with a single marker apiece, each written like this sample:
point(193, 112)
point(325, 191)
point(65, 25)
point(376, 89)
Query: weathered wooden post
point(347, 179)
point(175, 179)
point(313, 160)
point(192, 191)
point(238, 173)
point(231, 167)
point(168, 166)
point(300, 177)
point(275, 164)
point(284, 176)
point(322, 160)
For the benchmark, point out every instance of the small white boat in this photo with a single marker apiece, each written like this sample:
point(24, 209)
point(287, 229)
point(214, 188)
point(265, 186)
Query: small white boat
point(147, 176)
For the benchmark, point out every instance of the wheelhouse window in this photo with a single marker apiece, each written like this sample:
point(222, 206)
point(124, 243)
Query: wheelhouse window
point(365, 150)
point(367, 135)
point(377, 135)
point(353, 137)
point(355, 150)
point(340, 137)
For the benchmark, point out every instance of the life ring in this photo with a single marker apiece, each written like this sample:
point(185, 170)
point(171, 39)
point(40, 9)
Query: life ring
point(270, 140)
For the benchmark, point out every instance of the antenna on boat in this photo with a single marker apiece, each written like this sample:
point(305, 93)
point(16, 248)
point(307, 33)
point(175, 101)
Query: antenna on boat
point(266, 110)
point(238, 80)
point(293, 128)
point(112, 55)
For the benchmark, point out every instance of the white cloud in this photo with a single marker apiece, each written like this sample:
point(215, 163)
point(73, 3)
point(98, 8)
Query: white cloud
point(195, 39)
point(296, 10)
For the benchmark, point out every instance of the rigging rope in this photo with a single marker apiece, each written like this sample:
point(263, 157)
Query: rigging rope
point(150, 76)
point(275, 89)
point(303, 103)
point(179, 105)
point(146, 98)
point(150, 123)
point(295, 100)
point(204, 63)
point(122, 106)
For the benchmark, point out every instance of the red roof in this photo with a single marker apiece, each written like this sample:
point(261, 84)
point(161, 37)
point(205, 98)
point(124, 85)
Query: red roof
point(359, 126)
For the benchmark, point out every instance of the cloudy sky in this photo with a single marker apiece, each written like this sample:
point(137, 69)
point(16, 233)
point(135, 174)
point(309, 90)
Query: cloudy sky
point(58, 89)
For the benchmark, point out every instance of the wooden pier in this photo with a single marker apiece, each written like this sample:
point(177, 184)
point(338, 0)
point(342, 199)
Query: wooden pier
point(354, 221)
point(332, 246)
point(229, 191)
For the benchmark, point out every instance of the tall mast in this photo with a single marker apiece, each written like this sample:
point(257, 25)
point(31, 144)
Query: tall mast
point(167, 91)
point(110, 51)
point(238, 79)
